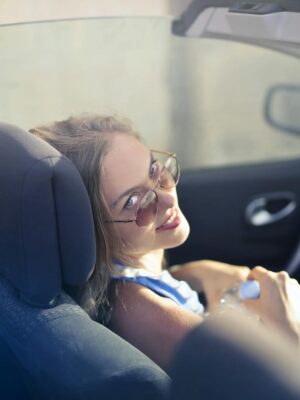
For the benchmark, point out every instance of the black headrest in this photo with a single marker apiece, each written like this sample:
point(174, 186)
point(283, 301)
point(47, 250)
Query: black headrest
point(46, 224)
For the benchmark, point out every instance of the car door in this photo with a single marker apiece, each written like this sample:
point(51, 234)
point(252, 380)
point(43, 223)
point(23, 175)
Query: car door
point(246, 215)
point(240, 186)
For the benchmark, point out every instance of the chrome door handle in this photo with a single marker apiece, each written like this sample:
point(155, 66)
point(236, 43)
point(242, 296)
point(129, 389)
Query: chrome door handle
point(270, 208)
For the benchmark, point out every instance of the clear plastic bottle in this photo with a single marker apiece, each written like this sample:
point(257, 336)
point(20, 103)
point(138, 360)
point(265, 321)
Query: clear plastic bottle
point(247, 290)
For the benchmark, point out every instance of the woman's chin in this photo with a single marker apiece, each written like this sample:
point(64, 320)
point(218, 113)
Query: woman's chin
point(180, 234)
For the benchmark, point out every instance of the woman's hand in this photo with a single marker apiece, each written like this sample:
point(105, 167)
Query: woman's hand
point(279, 303)
point(212, 277)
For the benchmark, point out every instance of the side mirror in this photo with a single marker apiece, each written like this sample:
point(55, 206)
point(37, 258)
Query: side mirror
point(282, 108)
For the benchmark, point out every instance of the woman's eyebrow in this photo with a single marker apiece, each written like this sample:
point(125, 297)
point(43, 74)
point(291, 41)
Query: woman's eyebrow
point(133, 189)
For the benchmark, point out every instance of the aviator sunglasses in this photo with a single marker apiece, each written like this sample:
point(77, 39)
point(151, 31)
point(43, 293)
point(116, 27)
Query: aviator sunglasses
point(167, 176)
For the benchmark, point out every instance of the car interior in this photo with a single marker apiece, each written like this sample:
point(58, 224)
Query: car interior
point(244, 213)
point(50, 348)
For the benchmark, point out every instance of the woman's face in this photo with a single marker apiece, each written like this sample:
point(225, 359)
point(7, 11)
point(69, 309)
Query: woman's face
point(127, 174)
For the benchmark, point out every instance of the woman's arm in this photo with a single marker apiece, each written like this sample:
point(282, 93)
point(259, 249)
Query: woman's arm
point(153, 324)
point(212, 277)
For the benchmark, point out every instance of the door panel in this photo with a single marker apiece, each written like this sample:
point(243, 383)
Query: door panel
point(215, 201)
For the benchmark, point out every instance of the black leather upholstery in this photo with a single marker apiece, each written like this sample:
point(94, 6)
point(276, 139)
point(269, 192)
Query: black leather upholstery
point(49, 347)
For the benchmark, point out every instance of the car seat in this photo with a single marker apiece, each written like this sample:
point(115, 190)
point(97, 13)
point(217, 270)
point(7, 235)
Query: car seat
point(236, 359)
point(49, 347)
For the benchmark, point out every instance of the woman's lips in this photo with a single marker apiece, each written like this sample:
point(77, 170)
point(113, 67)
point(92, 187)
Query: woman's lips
point(171, 222)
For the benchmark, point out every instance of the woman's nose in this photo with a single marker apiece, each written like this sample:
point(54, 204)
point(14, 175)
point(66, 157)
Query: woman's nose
point(166, 199)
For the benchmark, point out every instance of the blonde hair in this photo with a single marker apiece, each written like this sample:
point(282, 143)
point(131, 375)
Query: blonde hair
point(85, 140)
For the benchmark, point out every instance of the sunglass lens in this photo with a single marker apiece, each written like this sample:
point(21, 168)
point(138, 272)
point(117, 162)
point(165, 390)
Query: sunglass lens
point(147, 209)
point(170, 173)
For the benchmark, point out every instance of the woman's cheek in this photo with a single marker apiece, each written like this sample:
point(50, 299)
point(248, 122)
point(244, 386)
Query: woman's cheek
point(131, 236)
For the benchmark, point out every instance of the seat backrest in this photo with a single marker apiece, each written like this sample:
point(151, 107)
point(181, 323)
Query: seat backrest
point(45, 215)
point(230, 356)
point(52, 347)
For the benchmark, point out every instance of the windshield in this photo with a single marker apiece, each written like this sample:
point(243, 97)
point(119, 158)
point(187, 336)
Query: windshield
point(200, 98)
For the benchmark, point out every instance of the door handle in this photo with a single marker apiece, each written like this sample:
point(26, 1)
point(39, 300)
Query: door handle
point(270, 208)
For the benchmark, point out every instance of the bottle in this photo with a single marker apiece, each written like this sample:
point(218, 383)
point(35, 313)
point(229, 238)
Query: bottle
point(247, 290)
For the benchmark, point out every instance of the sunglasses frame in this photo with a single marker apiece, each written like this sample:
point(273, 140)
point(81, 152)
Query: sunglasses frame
point(170, 155)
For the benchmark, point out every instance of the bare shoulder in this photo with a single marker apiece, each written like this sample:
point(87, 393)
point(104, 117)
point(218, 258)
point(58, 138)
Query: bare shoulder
point(135, 296)
point(132, 300)
point(152, 323)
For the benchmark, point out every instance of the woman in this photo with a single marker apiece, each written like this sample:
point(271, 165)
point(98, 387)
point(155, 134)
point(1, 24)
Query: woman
point(137, 216)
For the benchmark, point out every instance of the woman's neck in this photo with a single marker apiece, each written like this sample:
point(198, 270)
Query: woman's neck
point(151, 261)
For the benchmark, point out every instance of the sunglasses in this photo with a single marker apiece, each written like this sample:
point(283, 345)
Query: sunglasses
point(167, 178)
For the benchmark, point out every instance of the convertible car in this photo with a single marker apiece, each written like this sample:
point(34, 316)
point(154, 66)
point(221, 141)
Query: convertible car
point(219, 85)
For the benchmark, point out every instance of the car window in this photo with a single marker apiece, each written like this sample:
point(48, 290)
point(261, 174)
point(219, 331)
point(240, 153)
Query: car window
point(201, 98)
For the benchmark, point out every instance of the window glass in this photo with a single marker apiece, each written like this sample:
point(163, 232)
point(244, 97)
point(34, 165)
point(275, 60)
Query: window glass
point(201, 98)
point(223, 103)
